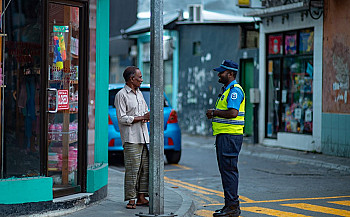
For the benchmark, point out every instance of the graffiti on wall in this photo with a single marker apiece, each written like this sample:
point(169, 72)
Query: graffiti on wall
point(198, 89)
point(336, 76)
point(341, 85)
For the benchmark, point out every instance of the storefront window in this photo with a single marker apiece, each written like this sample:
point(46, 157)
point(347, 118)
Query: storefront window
point(296, 95)
point(289, 83)
point(64, 61)
point(22, 88)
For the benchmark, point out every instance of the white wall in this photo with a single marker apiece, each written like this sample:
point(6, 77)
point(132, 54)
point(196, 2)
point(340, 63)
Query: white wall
point(289, 140)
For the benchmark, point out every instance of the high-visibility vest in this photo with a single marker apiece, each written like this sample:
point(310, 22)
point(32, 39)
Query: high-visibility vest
point(229, 125)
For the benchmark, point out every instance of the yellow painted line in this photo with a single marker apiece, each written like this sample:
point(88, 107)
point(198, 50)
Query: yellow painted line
point(316, 208)
point(189, 188)
point(218, 193)
point(343, 202)
point(204, 213)
point(215, 204)
point(181, 166)
point(211, 200)
point(246, 199)
point(169, 170)
point(271, 212)
point(292, 199)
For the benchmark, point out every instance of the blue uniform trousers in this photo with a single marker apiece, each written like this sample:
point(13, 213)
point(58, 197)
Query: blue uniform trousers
point(227, 149)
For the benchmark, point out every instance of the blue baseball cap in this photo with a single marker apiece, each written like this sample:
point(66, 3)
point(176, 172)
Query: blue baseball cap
point(227, 65)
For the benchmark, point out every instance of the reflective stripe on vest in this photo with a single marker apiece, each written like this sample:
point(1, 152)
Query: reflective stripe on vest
point(231, 125)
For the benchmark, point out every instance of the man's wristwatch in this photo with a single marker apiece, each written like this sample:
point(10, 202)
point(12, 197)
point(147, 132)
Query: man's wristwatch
point(212, 112)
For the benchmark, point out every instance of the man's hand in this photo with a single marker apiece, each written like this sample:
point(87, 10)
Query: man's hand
point(146, 117)
point(210, 113)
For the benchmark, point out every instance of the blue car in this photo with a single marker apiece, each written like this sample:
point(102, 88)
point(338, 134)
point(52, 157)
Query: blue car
point(172, 132)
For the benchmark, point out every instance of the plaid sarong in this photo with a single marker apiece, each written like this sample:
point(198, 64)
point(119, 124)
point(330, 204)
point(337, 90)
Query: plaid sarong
point(136, 170)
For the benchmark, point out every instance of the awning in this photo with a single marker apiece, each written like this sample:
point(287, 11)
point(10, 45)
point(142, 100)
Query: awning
point(279, 10)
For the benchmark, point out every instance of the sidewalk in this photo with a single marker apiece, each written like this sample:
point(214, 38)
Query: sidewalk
point(258, 150)
point(114, 205)
point(179, 203)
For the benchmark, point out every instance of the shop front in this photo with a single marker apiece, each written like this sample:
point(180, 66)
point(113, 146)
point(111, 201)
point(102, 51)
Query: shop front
point(49, 85)
point(291, 81)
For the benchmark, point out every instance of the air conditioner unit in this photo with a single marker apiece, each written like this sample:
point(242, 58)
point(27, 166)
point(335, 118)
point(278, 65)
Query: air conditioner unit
point(195, 13)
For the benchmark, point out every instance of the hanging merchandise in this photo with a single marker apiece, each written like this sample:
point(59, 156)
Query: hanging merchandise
point(62, 46)
point(57, 60)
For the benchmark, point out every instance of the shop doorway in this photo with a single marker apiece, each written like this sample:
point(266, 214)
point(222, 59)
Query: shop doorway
point(66, 152)
point(247, 70)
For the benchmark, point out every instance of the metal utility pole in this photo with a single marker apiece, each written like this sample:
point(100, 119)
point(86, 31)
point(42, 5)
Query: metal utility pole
point(156, 147)
point(156, 168)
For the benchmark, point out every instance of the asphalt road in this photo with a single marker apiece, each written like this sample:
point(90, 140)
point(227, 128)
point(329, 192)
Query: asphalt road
point(267, 187)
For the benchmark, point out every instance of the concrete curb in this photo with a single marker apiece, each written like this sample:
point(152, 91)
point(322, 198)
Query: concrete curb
point(187, 207)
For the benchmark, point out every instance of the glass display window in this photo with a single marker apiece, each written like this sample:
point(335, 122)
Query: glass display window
point(63, 96)
point(21, 90)
point(296, 97)
point(289, 96)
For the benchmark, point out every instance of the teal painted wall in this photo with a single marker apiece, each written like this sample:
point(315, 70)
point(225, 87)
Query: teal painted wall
point(335, 136)
point(26, 190)
point(102, 80)
point(98, 177)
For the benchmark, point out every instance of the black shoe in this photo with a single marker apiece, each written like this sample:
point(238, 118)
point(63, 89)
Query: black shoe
point(229, 211)
point(220, 210)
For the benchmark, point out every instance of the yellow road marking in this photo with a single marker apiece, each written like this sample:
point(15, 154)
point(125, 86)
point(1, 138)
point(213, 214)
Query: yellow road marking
point(344, 202)
point(192, 186)
point(211, 200)
point(215, 204)
point(204, 213)
point(291, 199)
point(180, 166)
point(271, 212)
point(189, 188)
point(317, 208)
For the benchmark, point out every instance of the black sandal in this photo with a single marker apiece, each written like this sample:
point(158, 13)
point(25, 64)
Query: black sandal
point(131, 205)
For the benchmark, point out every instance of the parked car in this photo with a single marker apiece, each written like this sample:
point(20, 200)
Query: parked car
point(172, 132)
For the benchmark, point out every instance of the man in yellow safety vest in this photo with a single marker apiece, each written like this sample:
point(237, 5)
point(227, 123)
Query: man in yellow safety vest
point(228, 123)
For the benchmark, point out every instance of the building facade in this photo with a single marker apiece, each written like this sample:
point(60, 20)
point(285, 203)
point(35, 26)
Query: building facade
point(335, 90)
point(290, 84)
point(202, 47)
point(54, 98)
point(304, 76)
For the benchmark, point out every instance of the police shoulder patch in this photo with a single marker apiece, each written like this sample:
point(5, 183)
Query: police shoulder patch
point(234, 95)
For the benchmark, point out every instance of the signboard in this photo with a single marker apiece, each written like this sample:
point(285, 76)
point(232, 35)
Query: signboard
point(60, 28)
point(243, 3)
point(63, 100)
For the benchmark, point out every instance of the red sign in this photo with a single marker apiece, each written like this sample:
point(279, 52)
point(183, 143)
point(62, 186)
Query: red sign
point(275, 44)
point(63, 100)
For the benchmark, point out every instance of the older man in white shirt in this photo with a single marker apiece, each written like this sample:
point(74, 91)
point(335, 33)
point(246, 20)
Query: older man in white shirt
point(132, 114)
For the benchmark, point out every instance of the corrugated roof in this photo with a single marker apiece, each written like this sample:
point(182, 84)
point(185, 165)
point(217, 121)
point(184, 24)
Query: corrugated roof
point(143, 25)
